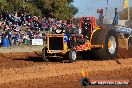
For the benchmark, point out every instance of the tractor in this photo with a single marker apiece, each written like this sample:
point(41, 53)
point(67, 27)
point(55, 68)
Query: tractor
point(95, 36)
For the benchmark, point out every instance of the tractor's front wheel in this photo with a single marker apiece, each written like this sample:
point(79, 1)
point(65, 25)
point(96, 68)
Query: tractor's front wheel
point(72, 55)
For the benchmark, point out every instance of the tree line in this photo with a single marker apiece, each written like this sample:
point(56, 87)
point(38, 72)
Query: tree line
point(61, 9)
point(123, 15)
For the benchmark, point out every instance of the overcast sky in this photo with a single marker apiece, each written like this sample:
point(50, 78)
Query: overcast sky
point(89, 7)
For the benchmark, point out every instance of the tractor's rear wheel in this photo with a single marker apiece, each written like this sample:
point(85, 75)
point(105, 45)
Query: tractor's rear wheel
point(44, 55)
point(109, 40)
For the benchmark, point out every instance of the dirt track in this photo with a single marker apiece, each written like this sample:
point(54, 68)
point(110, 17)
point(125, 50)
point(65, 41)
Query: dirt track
point(17, 70)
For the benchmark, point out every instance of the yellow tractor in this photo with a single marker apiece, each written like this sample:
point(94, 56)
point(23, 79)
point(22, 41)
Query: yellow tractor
point(101, 39)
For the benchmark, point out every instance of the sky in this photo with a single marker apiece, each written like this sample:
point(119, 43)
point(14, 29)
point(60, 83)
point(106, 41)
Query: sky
point(89, 7)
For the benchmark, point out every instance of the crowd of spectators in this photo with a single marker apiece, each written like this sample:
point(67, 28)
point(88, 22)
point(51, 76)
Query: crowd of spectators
point(22, 28)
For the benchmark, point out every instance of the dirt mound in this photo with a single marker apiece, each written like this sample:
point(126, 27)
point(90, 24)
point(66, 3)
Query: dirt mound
point(11, 60)
point(124, 53)
point(18, 55)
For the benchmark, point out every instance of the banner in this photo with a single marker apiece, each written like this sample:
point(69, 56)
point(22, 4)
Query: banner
point(37, 42)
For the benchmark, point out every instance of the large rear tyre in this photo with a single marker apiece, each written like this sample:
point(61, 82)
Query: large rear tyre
point(109, 40)
point(44, 55)
point(72, 55)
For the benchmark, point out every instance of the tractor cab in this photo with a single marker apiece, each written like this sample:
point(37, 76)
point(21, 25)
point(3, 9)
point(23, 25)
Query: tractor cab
point(87, 24)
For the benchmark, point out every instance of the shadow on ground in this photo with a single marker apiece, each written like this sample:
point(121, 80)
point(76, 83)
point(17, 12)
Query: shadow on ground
point(38, 59)
point(122, 54)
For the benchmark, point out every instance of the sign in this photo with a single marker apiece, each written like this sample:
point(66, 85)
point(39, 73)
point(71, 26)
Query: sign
point(37, 42)
point(87, 82)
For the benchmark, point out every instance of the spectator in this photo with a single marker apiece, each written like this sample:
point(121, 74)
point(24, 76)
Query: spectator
point(21, 27)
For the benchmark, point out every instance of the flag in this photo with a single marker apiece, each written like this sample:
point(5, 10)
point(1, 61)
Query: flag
point(125, 4)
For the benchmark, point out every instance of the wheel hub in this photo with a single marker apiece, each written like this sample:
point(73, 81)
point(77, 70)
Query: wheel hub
point(109, 43)
point(74, 55)
point(112, 45)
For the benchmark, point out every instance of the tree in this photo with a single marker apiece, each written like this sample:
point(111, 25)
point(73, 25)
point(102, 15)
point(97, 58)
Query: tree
point(3, 3)
point(22, 5)
point(124, 14)
point(32, 9)
point(61, 9)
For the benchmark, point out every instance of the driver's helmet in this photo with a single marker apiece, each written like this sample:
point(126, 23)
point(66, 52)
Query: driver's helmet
point(87, 20)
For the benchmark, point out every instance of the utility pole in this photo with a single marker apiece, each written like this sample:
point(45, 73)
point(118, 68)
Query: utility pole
point(128, 11)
